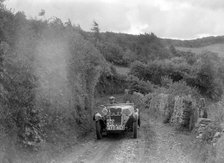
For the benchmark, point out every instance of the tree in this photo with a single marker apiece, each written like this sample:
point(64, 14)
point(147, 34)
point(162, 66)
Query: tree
point(3, 49)
point(96, 31)
point(173, 50)
point(129, 56)
point(207, 83)
point(1, 3)
point(42, 12)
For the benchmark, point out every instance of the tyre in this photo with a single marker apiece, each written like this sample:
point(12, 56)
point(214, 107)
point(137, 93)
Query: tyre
point(98, 130)
point(139, 120)
point(135, 130)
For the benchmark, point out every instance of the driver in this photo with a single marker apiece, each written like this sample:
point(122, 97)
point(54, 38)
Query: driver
point(112, 99)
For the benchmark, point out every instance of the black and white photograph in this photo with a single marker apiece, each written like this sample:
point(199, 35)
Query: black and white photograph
point(111, 81)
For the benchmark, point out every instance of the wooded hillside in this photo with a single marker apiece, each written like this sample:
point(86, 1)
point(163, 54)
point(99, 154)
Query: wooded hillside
point(52, 71)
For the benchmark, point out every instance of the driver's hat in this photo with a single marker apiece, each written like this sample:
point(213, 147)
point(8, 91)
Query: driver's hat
point(111, 98)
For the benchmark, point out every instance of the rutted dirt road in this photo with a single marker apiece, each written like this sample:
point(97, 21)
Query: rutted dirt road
point(156, 142)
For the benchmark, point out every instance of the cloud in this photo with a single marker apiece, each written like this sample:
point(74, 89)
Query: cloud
point(110, 17)
point(208, 4)
point(174, 18)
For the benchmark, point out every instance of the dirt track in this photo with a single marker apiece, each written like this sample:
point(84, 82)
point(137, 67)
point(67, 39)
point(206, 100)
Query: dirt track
point(156, 142)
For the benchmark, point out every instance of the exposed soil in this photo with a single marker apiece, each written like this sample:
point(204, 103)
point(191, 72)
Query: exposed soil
point(156, 142)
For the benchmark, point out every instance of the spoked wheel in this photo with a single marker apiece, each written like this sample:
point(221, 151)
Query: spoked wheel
point(135, 131)
point(98, 130)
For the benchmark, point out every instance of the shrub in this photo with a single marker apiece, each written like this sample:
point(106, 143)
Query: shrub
point(183, 112)
point(113, 53)
point(179, 89)
point(207, 83)
point(149, 48)
point(157, 70)
point(203, 75)
point(174, 89)
point(135, 98)
point(216, 111)
point(139, 70)
point(51, 68)
point(110, 82)
point(159, 104)
point(136, 85)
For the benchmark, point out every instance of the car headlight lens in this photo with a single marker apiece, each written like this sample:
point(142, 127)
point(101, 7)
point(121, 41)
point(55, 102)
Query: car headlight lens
point(105, 111)
point(127, 112)
point(97, 116)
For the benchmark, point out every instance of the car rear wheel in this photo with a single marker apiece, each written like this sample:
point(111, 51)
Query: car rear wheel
point(135, 131)
point(98, 130)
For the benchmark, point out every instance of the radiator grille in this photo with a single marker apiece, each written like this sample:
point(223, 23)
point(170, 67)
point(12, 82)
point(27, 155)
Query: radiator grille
point(117, 120)
point(115, 114)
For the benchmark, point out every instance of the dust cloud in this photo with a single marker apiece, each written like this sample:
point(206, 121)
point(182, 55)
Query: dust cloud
point(51, 69)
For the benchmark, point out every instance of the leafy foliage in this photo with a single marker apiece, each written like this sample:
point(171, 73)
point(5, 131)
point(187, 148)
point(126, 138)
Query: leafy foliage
point(110, 82)
point(96, 30)
point(47, 66)
point(136, 85)
point(112, 53)
point(154, 71)
point(56, 69)
point(19, 79)
point(202, 75)
point(123, 49)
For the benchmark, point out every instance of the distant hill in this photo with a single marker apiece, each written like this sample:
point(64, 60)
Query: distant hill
point(200, 42)
point(215, 48)
point(122, 49)
point(214, 44)
point(127, 40)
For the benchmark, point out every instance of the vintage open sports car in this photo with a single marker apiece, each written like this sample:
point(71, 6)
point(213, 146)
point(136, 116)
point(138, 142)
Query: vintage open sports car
point(115, 118)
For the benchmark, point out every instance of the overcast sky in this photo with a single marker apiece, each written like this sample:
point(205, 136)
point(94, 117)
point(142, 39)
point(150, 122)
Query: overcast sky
point(183, 19)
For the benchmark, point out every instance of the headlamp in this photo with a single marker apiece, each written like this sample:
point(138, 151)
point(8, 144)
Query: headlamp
point(105, 111)
point(126, 111)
